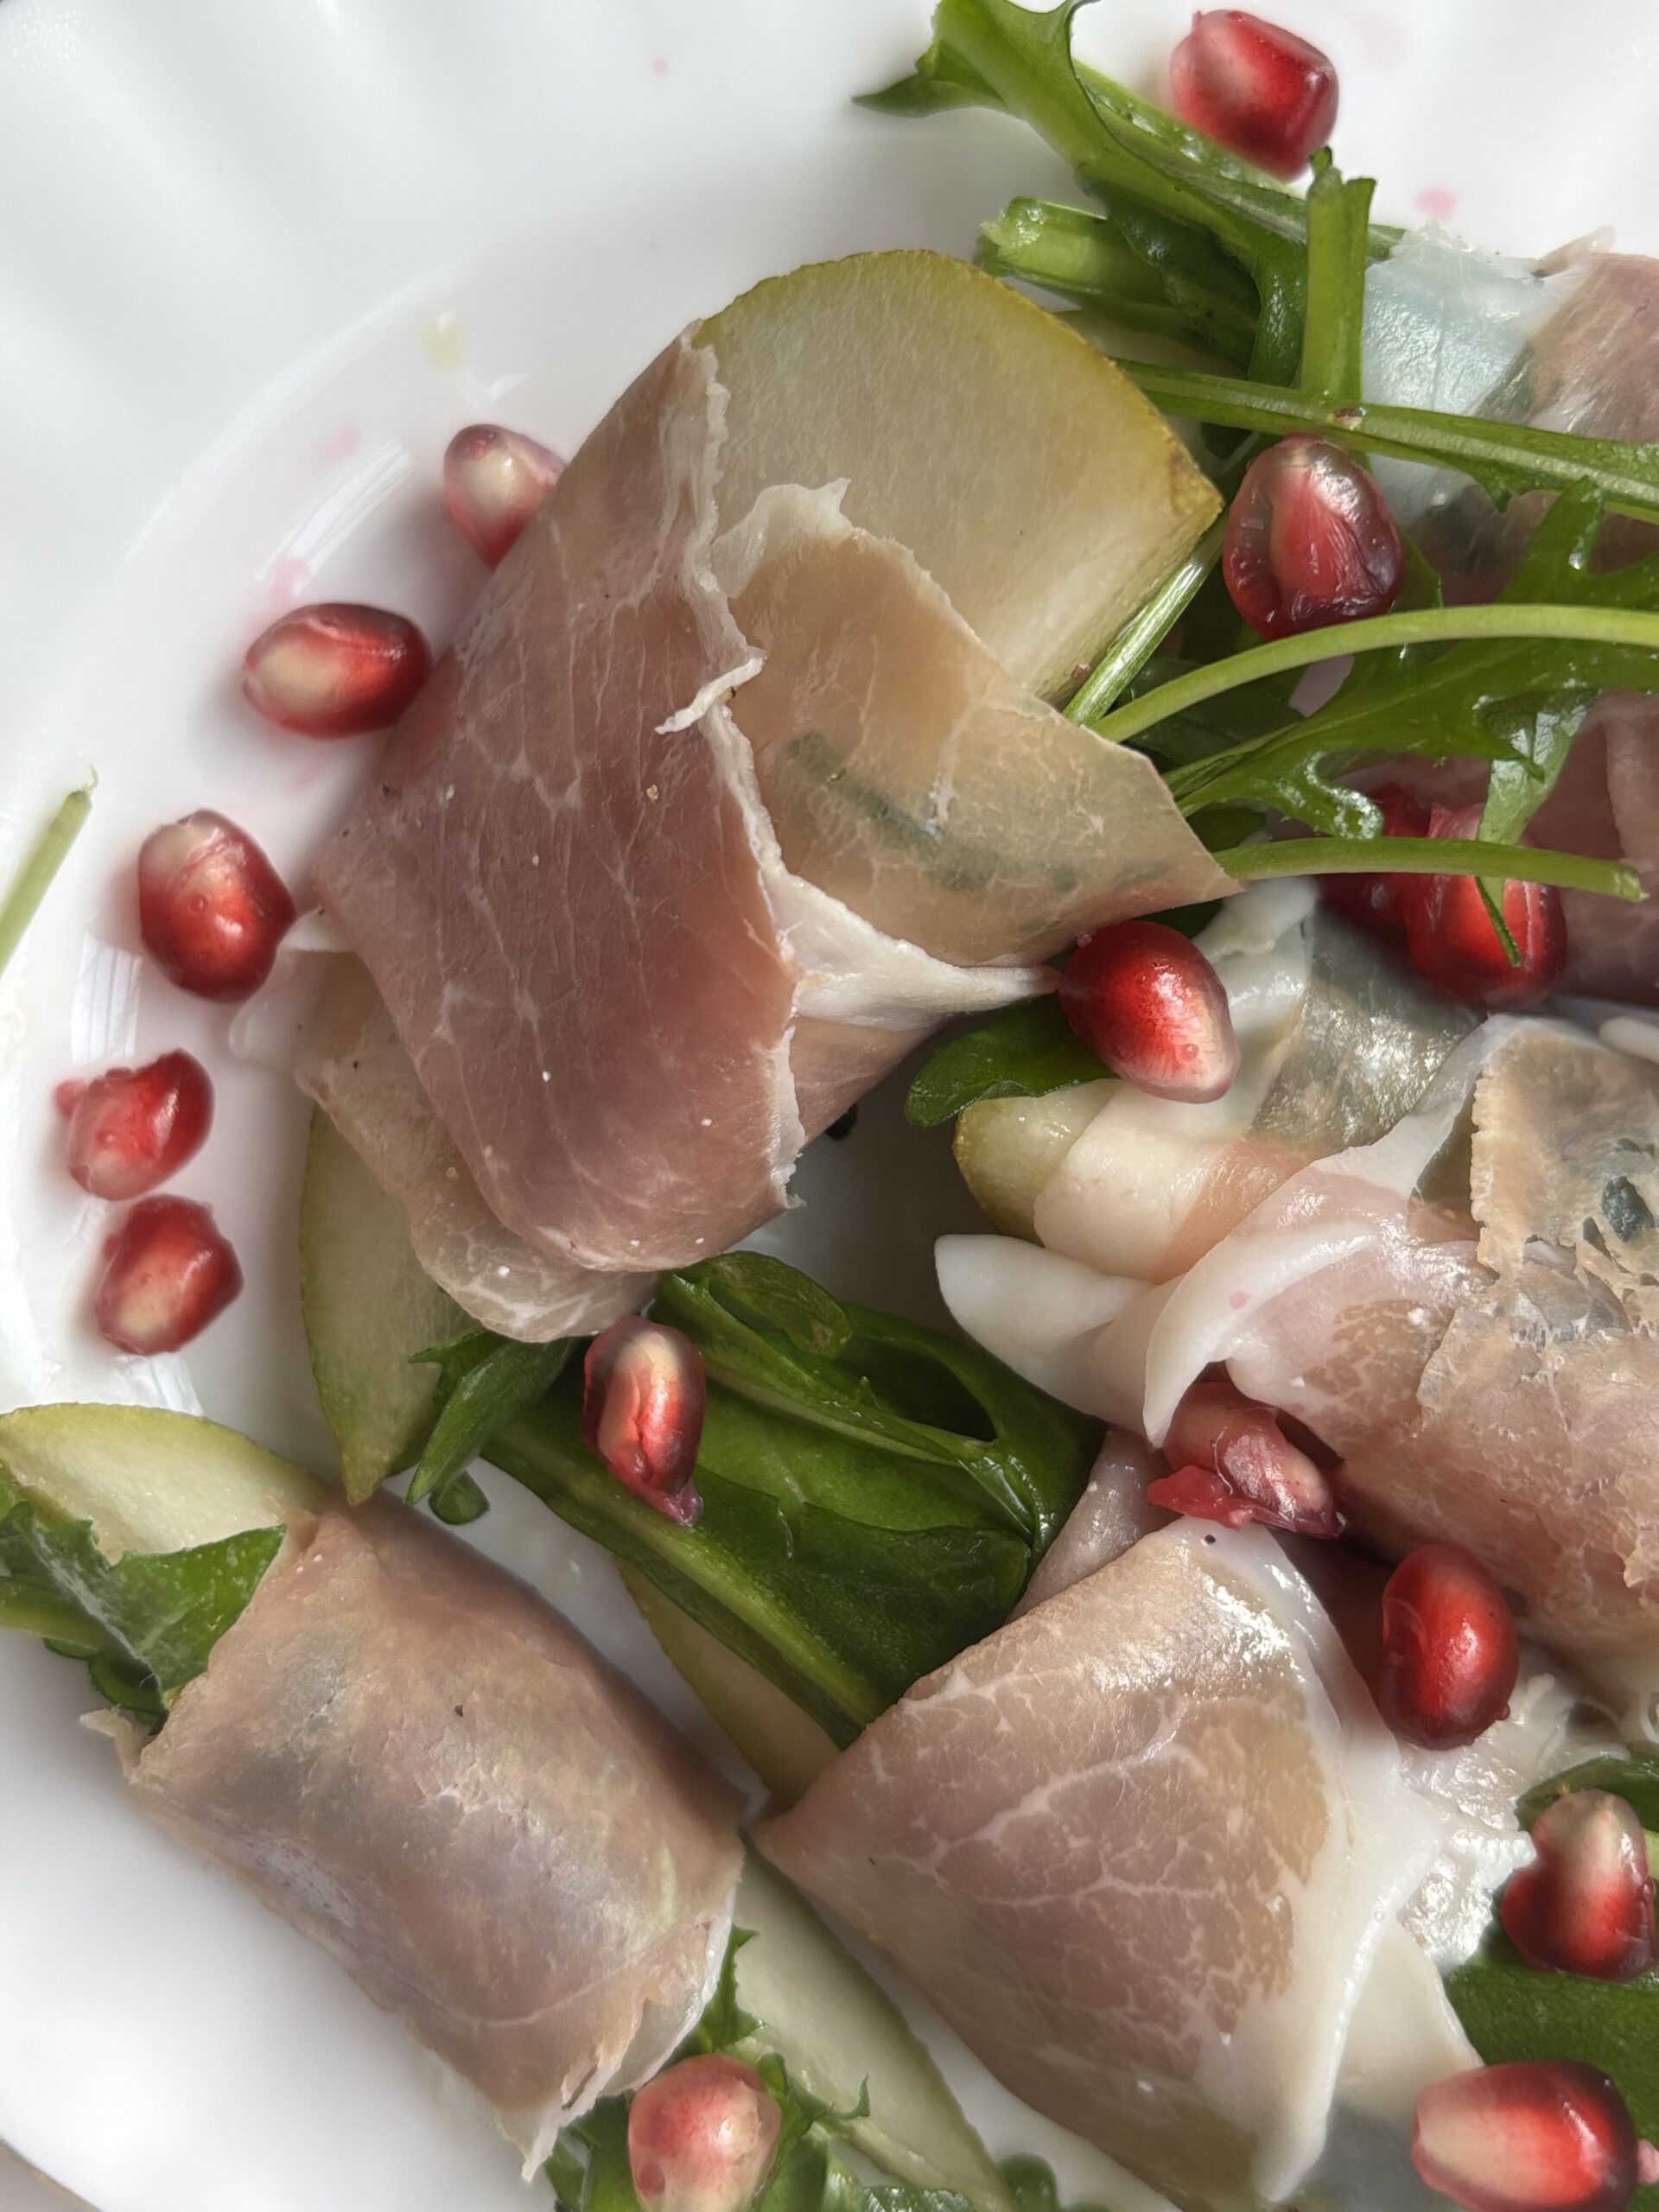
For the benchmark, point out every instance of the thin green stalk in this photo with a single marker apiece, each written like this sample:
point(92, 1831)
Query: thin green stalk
point(33, 879)
point(1141, 635)
point(34, 1611)
point(1427, 626)
point(1506, 457)
point(1339, 241)
point(1430, 856)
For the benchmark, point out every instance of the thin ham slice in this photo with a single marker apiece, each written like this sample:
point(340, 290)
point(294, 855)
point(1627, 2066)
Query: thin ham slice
point(415, 1761)
point(1141, 1848)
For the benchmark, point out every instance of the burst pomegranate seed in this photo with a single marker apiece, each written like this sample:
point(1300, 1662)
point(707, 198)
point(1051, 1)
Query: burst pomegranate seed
point(1585, 1904)
point(1452, 938)
point(702, 2136)
point(129, 1128)
point(336, 671)
point(211, 907)
point(1379, 902)
point(643, 1399)
point(1145, 998)
point(494, 481)
point(169, 1273)
point(1311, 541)
point(1537, 2135)
point(1450, 1656)
point(1256, 89)
point(1230, 1461)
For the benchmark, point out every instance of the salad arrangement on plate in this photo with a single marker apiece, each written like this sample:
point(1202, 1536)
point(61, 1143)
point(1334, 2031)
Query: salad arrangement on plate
point(1221, 1680)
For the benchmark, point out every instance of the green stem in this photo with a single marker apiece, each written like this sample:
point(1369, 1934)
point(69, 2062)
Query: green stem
point(1338, 239)
point(1430, 856)
point(1505, 457)
point(33, 879)
point(34, 1611)
point(1427, 626)
point(1141, 635)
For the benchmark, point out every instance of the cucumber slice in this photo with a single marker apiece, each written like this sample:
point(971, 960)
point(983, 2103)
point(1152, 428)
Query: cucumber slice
point(786, 1747)
point(839, 2033)
point(369, 1307)
point(1038, 488)
point(148, 1480)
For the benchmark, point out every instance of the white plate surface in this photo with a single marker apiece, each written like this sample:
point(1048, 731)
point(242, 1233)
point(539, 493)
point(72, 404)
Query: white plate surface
point(262, 257)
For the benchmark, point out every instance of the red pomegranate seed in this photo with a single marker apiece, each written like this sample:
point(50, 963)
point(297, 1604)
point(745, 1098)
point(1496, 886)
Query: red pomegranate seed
point(702, 2136)
point(131, 1127)
point(169, 1274)
point(1379, 902)
point(1450, 936)
point(1311, 541)
point(494, 481)
point(1257, 89)
point(1585, 1904)
point(1145, 998)
point(1537, 2135)
point(211, 907)
point(336, 671)
point(1231, 1462)
point(1449, 1652)
point(642, 1412)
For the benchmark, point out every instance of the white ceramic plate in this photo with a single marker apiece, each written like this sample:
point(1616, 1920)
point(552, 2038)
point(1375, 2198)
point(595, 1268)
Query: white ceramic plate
point(260, 258)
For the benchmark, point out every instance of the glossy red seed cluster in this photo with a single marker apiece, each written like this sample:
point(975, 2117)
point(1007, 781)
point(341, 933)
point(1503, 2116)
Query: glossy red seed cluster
point(1450, 1656)
point(1311, 541)
point(1537, 2135)
point(494, 481)
point(1255, 88)
point(169, 1273)
point(1230, 1461)
point(642, 1400)
point(131, 1130)
point(335, 670)
point(211, 910)
point(1585, 1904)
point(702, 2136)
point(1145, 1000)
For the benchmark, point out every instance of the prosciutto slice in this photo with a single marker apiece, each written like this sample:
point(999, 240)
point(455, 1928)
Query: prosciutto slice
point(1141, 1848)
point(417, 1761)
point(706, 819)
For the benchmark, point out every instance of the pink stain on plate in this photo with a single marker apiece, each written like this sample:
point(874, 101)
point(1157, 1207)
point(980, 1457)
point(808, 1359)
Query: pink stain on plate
point(659, 65)
point(1437, 201)
point(339, 445)
point(1239, 1301)
point(285, 579)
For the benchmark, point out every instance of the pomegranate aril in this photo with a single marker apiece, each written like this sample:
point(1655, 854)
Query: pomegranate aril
point(643, 1399)
point(1585, 1905)
point(1147, 1002)
point(702, 2136)
point(494, 481)
point(211, 907)
point(169, 1273)
point(1255, 88)
point(1450, 1656)
point(336, 669)
point(1231, 1462)
point(1380, 902)
point(1311, 541)
point(1537, 2135)
point(129, 1128)
point(1451, 938)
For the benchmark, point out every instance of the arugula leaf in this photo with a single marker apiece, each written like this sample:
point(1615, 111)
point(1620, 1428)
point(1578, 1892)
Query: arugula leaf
point(1511, 2011)
point(163, 1612)
point(1632, 1775)
point(484, 1381)
point(1022, 1052)
point(875, 1494)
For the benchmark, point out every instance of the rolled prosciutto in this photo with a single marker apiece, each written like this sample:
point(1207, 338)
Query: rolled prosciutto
point(411, 1758)
point(719, 803)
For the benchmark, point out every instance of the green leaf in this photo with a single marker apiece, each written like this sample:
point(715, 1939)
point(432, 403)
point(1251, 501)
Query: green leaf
point(163, 1612)
point(1031, 2184)
point(725, 2024)
point(875, 1494)
point(1020, 1053)
point(1509, 2011)
point(1632, 1775)
point(484, 1381)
